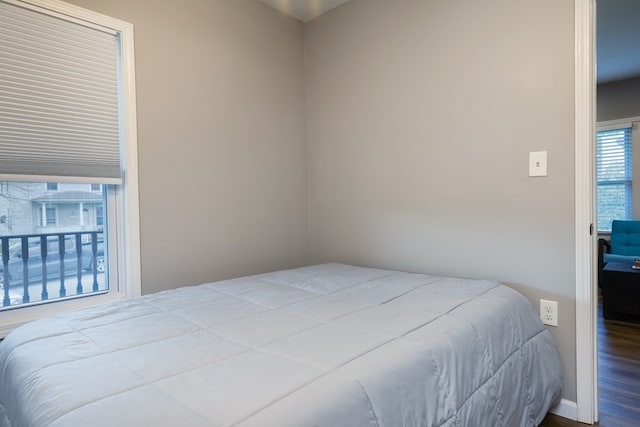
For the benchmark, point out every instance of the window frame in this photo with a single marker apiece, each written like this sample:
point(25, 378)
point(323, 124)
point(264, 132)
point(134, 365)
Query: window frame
point(45, 220)
point(122, 200)
point(619, 124)
point(51, 187)
point(99, 214)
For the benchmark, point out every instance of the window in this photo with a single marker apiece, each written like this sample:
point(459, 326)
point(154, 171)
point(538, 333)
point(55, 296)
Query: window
point(613, 175)
point(50, 276)
point(99, 216)
point(51, 217)
point(81, 127)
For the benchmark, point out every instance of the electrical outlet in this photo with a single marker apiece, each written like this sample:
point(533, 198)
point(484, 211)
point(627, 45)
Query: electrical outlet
point(549, 312)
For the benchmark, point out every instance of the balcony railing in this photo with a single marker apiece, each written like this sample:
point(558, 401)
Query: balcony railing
point(32, 263)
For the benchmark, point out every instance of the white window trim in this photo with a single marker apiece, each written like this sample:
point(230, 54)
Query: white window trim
point(127, 227)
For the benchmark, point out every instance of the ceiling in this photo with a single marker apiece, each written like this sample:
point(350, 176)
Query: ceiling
point(618, 39)
point(618, 32)
point(304, 10)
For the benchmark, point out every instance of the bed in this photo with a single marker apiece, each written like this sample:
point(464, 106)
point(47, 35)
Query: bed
point(325, 345)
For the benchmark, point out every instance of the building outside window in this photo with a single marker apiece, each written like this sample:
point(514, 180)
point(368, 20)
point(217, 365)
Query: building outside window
point(69, 214)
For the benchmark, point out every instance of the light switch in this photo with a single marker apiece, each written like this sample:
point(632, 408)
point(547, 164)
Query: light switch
point(538, 163)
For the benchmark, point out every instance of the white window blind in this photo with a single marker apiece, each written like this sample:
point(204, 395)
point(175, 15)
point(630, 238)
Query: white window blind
point(613, 175)
point(59, 111)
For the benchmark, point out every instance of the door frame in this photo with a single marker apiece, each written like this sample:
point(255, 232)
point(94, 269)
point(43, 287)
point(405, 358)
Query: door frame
point(585, 235)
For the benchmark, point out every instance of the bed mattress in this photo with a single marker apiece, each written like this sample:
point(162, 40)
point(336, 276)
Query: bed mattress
point(327, 345)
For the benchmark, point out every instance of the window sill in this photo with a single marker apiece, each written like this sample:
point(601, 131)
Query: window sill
point(11, 319)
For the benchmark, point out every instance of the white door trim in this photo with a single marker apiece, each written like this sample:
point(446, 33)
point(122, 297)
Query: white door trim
point(586, 297)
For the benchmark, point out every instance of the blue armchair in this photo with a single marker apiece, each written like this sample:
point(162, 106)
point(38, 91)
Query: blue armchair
point(624, 245)
point(625, 242)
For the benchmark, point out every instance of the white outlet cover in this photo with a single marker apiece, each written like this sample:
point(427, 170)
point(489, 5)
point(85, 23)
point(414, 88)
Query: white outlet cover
point(538, 163)
point(549, 312)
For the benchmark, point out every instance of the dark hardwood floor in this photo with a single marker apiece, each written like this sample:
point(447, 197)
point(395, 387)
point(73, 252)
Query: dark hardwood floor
point(618, 376)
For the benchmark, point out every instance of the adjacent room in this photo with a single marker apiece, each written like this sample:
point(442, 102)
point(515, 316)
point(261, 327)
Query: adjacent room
point(395, 136)
point(617, 139)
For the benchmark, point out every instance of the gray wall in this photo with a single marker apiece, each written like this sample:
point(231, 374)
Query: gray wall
point(419, 114)
point(420, 118)
point(619, 100)
point(221, 138)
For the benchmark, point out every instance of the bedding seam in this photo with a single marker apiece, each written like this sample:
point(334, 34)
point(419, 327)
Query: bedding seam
point(388, 341)
point(369, 403)
point(484, 384)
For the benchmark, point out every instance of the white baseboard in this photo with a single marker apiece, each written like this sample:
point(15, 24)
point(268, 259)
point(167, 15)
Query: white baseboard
point(566, 409)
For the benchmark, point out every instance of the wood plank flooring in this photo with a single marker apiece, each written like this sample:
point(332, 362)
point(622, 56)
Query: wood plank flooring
point(618, 376)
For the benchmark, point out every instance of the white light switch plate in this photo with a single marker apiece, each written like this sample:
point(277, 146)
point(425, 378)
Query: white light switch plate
point(538, 163)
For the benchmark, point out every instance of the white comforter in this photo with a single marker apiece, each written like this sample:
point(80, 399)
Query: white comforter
point(328, 345)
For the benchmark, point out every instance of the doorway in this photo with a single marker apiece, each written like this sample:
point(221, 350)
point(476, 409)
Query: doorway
point(618, 78)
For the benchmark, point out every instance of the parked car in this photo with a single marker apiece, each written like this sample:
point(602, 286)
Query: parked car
point(53, 262)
